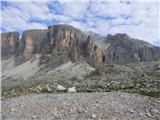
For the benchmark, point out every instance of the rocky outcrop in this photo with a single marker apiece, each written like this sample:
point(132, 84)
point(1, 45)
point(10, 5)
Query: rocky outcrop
point(93, 52)
point(32, 42)
point(122, 49)
point(57, 45)
point(66, 43)
point(9, 44)
point(62, 43)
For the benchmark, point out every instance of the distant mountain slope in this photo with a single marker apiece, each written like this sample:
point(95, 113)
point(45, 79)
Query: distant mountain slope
point(123, 49)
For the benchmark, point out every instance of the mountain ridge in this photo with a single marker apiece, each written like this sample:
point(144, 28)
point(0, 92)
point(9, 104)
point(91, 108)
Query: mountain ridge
point(71, 44)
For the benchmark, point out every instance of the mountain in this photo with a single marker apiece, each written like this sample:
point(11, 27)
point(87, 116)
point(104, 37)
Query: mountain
point(56, 45)
point(62, 43)
point(122, 49)
point(62, 59)
point(63, 52)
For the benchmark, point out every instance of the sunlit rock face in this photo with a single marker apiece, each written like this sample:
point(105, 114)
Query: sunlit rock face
point(9, 44)
point(56, 45)
point(32, 42)
point(93, 52)
point(68, 43)
point(62, 43)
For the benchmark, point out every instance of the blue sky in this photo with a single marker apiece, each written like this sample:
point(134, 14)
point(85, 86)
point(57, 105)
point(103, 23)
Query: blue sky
point(137, 18)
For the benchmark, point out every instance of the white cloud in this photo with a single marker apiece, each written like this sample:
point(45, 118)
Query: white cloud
point(17, 16)
point(102, 26)
point(75, 9)
point(38, 10)
point(112, 9)
point(139, 18)
point(117, 21)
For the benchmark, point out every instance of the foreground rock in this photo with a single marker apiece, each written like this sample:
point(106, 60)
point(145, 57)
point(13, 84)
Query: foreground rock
point(82, 106)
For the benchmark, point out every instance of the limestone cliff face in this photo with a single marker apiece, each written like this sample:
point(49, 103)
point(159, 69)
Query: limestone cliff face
point(122, 49)
point(67, 43)
point(56, 45)
point(9, 44)
point(64, 36)
point(61, 43)
point(32, 42)
point(93, 52)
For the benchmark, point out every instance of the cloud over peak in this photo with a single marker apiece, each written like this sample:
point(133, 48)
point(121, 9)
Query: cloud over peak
point(138, 18)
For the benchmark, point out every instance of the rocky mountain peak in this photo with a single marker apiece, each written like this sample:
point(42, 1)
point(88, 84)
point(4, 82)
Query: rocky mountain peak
point(121, 36)
point(56, 45)
point(122, 49)
point(62, 43)
point(118, 36)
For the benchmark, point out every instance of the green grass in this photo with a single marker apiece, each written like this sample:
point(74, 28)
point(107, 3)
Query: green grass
point(150, 93)
point(109, 65)
point(143, 92)
point(136, 80)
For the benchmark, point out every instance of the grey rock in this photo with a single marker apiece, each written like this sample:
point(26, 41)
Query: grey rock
point(122, 49)
point(62, 43)
point(105, 106)
point(69, 43)
point(32, 42)
point(9, 44)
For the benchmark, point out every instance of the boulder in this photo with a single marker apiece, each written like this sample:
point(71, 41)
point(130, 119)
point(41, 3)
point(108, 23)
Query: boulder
point(60, 88)
point(72, 90)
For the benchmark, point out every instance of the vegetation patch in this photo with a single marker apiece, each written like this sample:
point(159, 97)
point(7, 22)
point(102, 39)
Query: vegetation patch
point(150, 93)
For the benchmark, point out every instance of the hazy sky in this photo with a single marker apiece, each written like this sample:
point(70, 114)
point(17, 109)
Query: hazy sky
point(137, 18)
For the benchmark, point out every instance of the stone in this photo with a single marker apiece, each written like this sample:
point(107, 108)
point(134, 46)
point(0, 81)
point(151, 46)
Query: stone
point(48, 88)
point(60, 88)
point(34, 116)
point(13, 109)
point(72, 90)
point(94, 116)
point(39, 88)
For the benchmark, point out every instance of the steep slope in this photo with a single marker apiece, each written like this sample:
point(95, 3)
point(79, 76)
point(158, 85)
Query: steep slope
point(57, 45)
point(122, 49)
point(62, 43)
point(9, 44)
point(32, 42)
point(66, 43)
point(66, 71)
